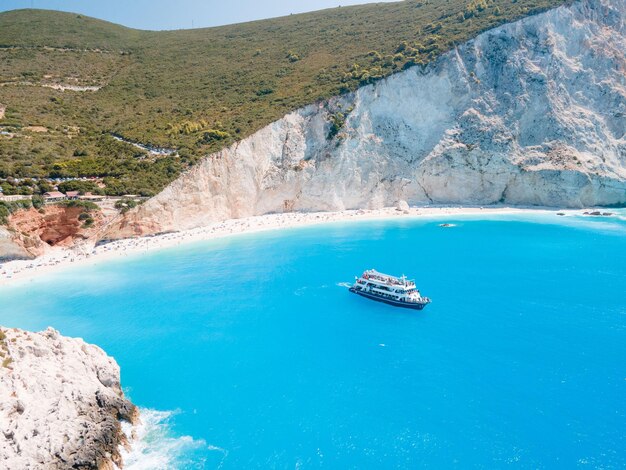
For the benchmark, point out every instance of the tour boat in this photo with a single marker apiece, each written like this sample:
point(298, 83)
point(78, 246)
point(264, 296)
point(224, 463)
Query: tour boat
point(397, 291)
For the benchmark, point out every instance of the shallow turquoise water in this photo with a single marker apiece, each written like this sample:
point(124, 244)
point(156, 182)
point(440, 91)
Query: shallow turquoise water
point(269, 362)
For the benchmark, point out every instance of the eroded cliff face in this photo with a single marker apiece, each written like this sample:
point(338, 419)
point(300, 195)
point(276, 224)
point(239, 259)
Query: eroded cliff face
point(30, 233)
point(530, 113)
point(60, 403)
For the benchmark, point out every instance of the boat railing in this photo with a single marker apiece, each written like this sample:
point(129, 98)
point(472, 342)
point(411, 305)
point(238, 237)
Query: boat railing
point(387, 279)
point(400, 297)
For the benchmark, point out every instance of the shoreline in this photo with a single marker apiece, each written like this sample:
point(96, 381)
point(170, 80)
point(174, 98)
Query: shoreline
point(87, 254)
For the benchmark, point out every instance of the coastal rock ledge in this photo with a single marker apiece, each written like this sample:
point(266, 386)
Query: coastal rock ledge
point(61, 404)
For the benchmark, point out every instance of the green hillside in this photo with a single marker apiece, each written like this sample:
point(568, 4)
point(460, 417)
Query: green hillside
point(199, 90)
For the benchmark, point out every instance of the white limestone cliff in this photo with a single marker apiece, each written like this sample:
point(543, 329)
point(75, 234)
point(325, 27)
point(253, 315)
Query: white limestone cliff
point(529, 113)
point(60, 403)
point(10, 248)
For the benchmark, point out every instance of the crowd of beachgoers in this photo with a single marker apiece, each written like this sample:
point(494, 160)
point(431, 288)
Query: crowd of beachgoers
point(89, 252)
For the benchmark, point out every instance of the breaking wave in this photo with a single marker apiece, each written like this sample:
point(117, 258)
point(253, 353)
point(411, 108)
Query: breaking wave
point(153, 445)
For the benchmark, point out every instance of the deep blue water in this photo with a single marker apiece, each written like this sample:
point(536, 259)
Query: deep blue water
point(270, 362)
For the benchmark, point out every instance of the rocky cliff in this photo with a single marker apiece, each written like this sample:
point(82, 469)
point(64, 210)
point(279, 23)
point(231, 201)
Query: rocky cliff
point(30, 233)
point(10, 247)
point(529, 113)
point(60, 403)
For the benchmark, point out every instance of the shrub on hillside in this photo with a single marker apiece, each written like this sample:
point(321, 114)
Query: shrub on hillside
point(85, 205)
point(337, 121)
point(7, 208)
point(124, 205)
point(37, 201)
point(213, 135)
point(292, 56)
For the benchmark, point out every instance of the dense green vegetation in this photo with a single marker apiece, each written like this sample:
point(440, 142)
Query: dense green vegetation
point(80, 186)
point(199, 90)
point(24, 187)
point(8, 208)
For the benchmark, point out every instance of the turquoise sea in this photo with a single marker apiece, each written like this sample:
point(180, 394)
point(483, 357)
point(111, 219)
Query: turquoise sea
point(249, 352)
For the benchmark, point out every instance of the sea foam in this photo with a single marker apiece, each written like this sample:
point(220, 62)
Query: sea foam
point(153, 445)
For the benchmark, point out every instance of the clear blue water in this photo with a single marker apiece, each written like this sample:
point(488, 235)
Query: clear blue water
point(270, 362)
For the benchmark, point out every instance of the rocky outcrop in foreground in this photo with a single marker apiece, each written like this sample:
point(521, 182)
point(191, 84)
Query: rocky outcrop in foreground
point(529, 113)
point(60, 403)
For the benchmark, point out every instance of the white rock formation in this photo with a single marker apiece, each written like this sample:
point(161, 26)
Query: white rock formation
point(60, 403)
point(529, 113)
point(402, 206)
point(10, 249)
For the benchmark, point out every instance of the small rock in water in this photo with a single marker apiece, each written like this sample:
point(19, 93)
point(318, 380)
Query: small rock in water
point(598, 213)
point(447, 225)
point(560, 213)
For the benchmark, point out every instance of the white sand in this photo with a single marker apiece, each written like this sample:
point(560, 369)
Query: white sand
point(87, 254)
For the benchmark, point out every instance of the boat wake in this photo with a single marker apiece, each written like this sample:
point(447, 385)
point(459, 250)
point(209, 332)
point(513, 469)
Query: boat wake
point(344, 284)
point(153, 445)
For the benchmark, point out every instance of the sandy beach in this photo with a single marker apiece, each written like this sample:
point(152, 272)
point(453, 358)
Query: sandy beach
point(89, 254)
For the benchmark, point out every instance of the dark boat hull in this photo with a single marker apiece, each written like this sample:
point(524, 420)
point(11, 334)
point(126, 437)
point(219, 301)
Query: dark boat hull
point(395, 303)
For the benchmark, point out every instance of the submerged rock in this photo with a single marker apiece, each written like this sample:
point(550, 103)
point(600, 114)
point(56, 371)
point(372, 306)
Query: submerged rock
point(598, 213)
point(61, 403)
